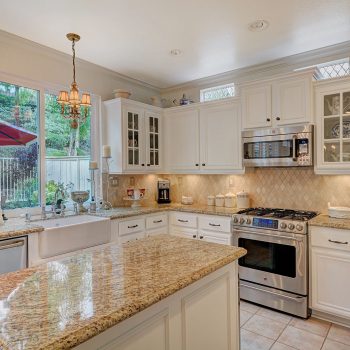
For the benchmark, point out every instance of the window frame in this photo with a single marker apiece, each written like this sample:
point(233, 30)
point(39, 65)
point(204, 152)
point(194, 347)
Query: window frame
point(95, 135)
point(217, 87)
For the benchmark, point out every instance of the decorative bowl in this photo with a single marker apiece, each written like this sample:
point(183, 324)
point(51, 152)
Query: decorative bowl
point(80, 197)
point(121, 93)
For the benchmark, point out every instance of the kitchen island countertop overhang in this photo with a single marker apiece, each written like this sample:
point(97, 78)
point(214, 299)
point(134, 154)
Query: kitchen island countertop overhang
point(64, 303)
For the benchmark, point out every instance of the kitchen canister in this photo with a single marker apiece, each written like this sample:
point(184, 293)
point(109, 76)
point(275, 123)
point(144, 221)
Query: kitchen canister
point(230, 200)
point(243, 200)
point(220, 200)
point(211, 200)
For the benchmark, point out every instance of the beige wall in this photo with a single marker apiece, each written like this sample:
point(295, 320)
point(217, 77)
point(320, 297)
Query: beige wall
point(286, 188)
point(31, 61)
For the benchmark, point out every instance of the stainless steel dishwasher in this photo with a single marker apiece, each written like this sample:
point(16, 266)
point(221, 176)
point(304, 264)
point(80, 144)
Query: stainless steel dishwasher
point(13, 254)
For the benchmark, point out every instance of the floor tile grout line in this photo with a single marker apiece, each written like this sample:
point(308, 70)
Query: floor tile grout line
point(326, 335)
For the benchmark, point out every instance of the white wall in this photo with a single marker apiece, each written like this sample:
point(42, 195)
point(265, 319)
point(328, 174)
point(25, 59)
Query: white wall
point(31, 61)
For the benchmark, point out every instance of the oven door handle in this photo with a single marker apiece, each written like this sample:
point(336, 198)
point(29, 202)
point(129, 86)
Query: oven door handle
point(271, 235)
point(297, 299)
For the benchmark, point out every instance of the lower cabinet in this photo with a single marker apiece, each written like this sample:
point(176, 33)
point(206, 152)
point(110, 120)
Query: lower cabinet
point(201, 316)
point(330, 266)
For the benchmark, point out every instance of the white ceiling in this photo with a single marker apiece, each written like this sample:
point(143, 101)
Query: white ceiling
point(134, 37)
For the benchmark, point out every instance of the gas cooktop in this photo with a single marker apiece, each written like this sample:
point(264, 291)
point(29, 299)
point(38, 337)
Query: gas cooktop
point(287, 214)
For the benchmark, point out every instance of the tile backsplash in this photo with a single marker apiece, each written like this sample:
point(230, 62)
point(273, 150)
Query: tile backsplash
point(293, 188)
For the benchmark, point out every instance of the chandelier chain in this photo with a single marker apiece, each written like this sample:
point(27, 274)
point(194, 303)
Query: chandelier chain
point(73, 49)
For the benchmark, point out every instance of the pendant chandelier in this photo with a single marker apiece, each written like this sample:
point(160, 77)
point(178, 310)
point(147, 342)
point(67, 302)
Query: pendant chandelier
point(72, 107)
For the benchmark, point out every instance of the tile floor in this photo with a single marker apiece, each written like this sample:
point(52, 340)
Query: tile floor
point(263, 329)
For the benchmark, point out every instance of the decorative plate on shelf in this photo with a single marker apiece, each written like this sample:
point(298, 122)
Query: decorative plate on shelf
point(346, 130)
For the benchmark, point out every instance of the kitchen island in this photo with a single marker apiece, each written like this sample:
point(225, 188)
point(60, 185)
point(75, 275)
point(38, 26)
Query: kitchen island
point(162, 292)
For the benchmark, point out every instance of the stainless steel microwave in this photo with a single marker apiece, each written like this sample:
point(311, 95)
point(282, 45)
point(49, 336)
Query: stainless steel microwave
point(278, 147)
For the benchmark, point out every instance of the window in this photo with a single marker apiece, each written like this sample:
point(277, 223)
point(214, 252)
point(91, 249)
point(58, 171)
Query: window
point(67, 151)
point(333, 69)
point(19, 164)
point(217, 92)
point(30, 174)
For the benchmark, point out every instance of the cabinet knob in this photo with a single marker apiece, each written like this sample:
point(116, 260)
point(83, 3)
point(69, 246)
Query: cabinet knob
point(148, 164)
point(197, 164)
point(278, 118)
point(268, 119)
point(143, 164)
point(201, 237)
point(203, 164)
point(194, 236)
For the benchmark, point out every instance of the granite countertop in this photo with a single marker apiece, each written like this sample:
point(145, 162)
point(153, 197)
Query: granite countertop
point(63, 303)
point(324, 220)
point(16, 228)
point(124, 212)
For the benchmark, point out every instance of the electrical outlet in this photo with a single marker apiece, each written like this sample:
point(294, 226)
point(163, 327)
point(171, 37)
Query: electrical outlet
point(179, 180)
point(231, 181)
point(131, 181)
point(114, 182)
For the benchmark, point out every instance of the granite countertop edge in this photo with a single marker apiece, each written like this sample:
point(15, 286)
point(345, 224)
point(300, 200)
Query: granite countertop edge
point(323, 220)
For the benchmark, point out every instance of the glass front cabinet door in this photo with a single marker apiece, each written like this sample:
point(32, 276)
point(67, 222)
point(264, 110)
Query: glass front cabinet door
point(152, 128)
point(333, 130)
point(143, 132)
point(134, 139)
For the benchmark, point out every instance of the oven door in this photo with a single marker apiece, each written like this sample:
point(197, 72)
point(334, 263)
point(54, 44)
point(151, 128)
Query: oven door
point(275, 259)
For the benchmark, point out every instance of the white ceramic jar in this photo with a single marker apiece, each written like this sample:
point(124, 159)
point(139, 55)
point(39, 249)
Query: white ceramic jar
point(211, 200)
point(230, 200)
point(220, 200)
point(243, 200)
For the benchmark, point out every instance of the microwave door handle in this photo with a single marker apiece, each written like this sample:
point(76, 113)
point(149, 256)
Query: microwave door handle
point(295, 148)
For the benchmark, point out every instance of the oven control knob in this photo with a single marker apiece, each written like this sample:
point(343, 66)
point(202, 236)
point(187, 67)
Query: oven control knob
point(248, 221)
point(235, 219)
point(241, 221)
point(299, 227)
point(291, 226)
point(283, 225)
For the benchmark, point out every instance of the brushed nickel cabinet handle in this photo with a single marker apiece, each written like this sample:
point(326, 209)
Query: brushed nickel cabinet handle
point(337, 242)
point(133, 226)
point(180, 220)
point(215, 225)
point(157, 221)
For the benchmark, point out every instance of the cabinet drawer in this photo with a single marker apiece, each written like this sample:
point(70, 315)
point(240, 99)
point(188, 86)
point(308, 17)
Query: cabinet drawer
point(131, 237)
point(156, 221)
point(131, 226)
point(215, 223)
point(330, 238)
point(183, 232)
point(183, 219)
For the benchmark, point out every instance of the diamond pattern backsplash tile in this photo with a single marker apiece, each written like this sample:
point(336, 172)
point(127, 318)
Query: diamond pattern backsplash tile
point(270, 187)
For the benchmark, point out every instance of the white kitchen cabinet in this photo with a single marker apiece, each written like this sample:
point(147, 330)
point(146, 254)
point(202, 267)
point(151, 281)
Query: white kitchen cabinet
point(278, 102)
point(330, 266)
point(134, 132)
point(204, 138)
point(333, 126)
point(220, 141)
point(181, 133)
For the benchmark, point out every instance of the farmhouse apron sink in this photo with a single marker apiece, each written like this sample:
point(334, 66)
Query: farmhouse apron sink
point(64, 235)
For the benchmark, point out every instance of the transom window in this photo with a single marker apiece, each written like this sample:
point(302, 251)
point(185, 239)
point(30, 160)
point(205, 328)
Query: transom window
point(334, 69)
point(217, 92)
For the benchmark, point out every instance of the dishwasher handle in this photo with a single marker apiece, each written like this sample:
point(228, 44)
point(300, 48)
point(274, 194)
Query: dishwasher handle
point(15, 244)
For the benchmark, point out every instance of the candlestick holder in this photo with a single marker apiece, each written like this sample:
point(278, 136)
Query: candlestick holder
point(106, 203)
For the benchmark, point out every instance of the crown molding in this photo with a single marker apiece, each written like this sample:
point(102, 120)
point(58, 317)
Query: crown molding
point(271, 68)
point(15, 40)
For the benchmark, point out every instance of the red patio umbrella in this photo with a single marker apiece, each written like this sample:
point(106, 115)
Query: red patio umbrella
point(11, 135)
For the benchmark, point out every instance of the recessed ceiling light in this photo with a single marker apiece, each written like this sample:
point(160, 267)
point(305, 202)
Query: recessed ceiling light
point(258, 25)
point(175, 52)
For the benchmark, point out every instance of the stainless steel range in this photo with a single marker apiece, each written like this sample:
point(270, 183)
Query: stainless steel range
point(274, 273)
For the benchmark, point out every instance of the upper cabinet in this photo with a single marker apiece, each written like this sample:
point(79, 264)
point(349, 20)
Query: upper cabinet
point(204, 138)
point(277, 102)
point(134, 131)
point(333, 126)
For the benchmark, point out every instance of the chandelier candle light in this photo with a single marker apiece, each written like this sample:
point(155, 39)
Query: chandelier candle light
point(93, 167)
point(71, 106)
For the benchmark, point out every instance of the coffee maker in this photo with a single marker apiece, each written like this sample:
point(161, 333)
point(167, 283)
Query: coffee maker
point(163, 191)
